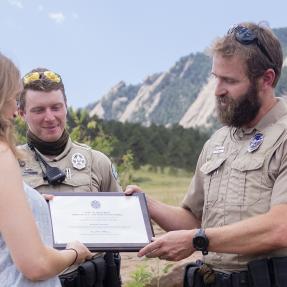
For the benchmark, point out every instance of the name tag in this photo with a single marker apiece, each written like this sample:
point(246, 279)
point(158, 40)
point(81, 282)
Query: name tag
point(218, 149)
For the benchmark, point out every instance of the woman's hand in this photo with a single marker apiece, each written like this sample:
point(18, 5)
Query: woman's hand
point(83, 253)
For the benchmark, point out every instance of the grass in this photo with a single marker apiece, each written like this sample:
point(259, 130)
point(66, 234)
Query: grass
point(167, 185)
point(140, 277)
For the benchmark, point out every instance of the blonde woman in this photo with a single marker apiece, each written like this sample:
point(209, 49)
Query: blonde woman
point(25, 230)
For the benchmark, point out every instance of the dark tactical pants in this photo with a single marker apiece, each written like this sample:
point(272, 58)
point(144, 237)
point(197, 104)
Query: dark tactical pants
point(97, 272)
point(261, 273)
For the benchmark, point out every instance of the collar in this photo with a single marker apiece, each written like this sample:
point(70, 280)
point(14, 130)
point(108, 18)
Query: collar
point(65, 151)
point(277, 112)
point(61, 155)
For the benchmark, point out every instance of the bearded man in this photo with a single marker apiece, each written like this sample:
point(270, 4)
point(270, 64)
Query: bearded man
point(236, 207)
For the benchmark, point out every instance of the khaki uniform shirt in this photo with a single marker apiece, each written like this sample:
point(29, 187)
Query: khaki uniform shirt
point(233, 183)
point(96, 173)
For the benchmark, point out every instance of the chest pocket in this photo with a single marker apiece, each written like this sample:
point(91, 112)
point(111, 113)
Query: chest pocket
point(246, 181)
point(239, 183)
point(79, 181)
point(212, 171)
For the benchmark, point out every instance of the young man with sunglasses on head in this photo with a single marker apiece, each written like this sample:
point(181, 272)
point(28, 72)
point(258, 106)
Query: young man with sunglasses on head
point(53, 162)
point(236, 207)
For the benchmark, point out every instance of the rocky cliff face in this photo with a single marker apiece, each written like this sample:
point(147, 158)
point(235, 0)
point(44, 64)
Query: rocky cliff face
point(184, 94)
point(163, 98)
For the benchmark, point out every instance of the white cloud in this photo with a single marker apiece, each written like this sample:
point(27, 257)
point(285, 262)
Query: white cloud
point(57, 17)
point(17, 3)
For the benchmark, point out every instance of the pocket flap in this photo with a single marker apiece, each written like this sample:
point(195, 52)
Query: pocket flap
point(245, 164)
point(212, 165)
point(78, 180)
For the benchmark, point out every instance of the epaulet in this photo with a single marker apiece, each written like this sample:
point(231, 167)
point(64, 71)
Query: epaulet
point(82, 145)
point(283, 122)
point(221, 132)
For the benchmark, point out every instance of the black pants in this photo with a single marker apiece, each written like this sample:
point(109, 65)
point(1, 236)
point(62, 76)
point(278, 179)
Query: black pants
point(97, 272)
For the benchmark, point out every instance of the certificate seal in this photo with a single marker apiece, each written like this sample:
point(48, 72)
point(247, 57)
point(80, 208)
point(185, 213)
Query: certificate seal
point(78, 161)
point(95, 204)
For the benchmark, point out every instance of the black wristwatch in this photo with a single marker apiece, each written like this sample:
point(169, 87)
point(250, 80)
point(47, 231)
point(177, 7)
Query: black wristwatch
point(200, 241)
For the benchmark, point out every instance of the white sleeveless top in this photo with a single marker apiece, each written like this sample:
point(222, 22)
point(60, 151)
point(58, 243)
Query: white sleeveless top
point(10, 276)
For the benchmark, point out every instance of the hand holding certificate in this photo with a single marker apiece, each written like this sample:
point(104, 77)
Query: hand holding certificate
point(101, 220)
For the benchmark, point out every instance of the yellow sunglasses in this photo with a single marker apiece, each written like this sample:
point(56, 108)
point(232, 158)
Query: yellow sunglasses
point(35, 76)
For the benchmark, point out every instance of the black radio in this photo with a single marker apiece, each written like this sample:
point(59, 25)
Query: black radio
point(52, 174)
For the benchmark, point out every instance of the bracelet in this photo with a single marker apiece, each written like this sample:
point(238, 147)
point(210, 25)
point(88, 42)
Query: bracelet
point(77, 255)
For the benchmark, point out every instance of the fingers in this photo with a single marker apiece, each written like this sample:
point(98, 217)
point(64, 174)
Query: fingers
point(48, 197)
point(83, 252)
point(89, 255)
point(163, 248)
point(155, 251)
point(130, 189)
point(151, 250)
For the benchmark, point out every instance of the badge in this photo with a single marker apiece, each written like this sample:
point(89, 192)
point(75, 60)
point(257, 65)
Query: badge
point(78, 161)
point(255, 142)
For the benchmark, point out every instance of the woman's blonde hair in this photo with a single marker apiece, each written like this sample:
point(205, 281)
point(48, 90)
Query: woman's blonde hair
point(9, 90)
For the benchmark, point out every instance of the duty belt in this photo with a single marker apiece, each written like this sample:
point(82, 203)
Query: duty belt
point(261, 273)
point(97, 272)
point(200, 275)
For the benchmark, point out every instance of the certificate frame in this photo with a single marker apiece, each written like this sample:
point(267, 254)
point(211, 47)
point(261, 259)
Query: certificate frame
point(107, 246)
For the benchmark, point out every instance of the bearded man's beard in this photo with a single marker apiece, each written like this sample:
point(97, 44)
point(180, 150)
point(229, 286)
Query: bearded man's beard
point(238, 112)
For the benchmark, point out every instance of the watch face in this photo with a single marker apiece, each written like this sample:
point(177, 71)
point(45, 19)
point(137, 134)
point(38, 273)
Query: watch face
point(200, 242)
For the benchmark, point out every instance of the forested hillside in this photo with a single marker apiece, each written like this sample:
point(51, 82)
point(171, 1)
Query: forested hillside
point(155, 145)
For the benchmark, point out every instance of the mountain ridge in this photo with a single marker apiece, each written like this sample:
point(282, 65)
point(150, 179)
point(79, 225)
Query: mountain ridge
point(181, 95)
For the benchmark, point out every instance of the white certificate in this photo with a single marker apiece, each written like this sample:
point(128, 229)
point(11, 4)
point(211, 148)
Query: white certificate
point(101, 220)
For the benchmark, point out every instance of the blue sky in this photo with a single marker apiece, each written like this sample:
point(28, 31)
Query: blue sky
point(94, 44)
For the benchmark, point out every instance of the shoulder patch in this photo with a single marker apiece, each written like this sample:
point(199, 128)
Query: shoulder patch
point(114, 172)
